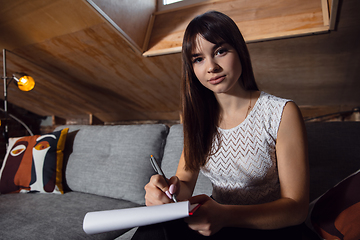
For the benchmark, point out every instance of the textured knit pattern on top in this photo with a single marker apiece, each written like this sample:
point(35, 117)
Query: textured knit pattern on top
point(244, 170)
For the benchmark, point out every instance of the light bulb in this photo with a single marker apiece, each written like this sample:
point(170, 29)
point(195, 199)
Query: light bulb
point(26, 83)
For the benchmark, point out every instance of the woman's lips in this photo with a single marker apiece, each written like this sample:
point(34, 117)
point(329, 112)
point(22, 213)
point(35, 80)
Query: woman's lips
point(216, 80)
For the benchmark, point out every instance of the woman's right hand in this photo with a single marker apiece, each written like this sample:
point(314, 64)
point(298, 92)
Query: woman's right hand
point(159, 192)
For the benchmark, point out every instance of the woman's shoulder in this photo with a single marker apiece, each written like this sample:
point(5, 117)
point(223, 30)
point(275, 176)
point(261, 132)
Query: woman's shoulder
point(269, 103)
point(264, 96)
point(287, 105)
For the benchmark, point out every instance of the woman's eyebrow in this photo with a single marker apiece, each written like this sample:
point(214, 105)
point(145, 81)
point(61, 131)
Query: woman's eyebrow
point(217, 45)
point(195, 55)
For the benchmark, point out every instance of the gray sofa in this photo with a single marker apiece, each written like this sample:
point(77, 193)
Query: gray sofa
point(106, 167)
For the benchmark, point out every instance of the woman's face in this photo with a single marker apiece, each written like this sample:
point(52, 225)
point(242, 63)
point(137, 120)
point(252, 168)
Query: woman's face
point(217, 66)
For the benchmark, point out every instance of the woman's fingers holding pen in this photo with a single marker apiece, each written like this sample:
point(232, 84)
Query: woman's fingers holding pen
point(174, 188)
point(156, 191)
point(174, 185)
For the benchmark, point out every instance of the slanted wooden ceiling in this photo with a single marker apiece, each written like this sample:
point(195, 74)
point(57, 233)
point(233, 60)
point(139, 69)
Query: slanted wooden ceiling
point(88, 57)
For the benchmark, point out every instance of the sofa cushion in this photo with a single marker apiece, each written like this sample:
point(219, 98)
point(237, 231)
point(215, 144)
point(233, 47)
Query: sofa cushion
point(173, 149)
point(113, 161)
point(336, 214)
point(34, 163)
point(53, 216)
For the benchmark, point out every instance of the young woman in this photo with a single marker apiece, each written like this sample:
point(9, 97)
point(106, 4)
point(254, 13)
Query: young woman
point(251, 145)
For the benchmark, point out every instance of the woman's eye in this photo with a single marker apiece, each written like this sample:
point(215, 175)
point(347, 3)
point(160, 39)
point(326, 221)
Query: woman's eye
point(221, 51)
point(197, 60)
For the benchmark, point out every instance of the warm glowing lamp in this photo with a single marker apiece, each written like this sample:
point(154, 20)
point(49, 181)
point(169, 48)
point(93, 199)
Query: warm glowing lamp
point(25, 83)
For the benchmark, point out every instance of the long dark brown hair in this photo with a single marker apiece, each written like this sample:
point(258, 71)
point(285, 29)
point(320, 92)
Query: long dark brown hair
point(200, 109)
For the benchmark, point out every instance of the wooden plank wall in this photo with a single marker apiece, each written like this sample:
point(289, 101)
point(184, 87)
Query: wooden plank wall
point(273, 19)
point(131, 18)
point(84, 69)
point(27, 22)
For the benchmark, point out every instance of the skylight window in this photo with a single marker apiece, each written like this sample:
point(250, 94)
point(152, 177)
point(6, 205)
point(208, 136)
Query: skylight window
point(167, 2)
point(175, 4)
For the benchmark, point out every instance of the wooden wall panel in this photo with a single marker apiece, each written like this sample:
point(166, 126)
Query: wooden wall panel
point(97, 67)
point(258, 20)
point(83, 67)
point(24, 22)
point(132, 16)
point(318, 70)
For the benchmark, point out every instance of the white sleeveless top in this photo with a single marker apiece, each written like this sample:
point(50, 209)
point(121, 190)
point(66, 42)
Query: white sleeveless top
point(244, 169)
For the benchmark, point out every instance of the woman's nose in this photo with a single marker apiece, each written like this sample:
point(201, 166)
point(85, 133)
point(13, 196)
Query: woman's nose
point(213, 66)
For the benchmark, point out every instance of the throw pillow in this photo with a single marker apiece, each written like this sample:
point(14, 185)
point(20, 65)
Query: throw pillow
point(336, 214)
point(34, 164)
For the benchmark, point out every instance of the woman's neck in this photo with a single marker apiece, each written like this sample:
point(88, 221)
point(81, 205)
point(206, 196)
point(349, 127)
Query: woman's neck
point(233, 100)
point(235, 107)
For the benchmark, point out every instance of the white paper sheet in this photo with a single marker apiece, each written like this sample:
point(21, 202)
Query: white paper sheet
point(104, 221)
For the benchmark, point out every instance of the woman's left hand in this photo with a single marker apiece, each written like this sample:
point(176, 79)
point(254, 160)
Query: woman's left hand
point(209, 218)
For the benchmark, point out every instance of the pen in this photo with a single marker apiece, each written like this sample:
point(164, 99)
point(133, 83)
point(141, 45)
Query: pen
point(157, 169)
